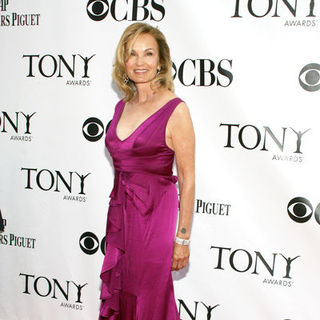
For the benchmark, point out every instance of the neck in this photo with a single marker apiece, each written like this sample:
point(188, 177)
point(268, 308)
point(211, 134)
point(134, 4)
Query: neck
point(145, 93)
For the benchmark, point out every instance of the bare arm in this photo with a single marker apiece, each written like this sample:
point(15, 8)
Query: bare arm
point(183, 141)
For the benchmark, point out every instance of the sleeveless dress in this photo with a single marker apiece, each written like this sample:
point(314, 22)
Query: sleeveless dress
point(141, 224)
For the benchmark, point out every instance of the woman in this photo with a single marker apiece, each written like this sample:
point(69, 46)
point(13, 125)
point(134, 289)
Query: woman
point(150, 127)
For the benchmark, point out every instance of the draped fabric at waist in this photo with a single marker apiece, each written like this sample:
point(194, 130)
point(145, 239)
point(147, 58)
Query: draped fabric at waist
point(141, 188)
point(154, 164)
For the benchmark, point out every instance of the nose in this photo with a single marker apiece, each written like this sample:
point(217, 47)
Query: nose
point(139, 60)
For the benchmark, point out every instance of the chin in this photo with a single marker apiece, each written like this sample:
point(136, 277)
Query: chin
point(141, 81)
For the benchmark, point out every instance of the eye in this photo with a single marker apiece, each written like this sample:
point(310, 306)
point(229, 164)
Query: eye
point(300, 210)
point(89, 243)
point(97, 9)
point(149, 53)
point(309, 77)
point(92, 129)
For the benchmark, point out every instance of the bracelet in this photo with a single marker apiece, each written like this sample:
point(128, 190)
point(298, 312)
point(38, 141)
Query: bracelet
point(184, 242)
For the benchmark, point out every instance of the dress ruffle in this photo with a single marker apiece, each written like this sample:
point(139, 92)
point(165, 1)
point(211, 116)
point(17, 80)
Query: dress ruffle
point(110, 273)
point(139, 192)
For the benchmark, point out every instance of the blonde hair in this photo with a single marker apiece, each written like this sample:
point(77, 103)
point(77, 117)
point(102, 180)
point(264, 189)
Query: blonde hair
point(131, 33)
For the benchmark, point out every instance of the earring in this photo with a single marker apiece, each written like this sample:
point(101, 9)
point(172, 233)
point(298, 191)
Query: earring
point(125, 78)
point(158, 70)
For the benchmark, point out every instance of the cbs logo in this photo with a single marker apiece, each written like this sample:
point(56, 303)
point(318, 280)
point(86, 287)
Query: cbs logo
point(203, 72)
point(301, 210)
point(129, 10)
point(90, 244)
point(309, 77)
point(93, 129)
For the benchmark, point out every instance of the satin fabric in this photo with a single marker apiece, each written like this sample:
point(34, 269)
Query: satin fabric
point(136, 272)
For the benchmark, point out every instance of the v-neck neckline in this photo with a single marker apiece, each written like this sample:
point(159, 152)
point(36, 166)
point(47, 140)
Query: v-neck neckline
point(141, 124)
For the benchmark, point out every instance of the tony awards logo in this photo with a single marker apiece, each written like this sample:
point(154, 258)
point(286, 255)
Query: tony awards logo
point(298, 13)
point(75, 66)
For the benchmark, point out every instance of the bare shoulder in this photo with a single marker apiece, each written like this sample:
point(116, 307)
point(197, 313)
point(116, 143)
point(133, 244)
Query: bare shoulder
point(180, 121)
point(180, 113)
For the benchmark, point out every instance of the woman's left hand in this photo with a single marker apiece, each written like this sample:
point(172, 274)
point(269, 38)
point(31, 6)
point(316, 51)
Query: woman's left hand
point(180, 257)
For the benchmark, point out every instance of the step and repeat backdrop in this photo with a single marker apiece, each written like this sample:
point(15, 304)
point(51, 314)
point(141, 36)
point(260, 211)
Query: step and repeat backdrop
point(249, 71)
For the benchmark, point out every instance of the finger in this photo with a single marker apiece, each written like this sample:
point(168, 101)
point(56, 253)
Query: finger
point(183, 263)
point(174, 264)
point(180, 264)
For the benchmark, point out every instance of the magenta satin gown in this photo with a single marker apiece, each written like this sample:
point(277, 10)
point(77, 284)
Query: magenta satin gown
point(136, 272)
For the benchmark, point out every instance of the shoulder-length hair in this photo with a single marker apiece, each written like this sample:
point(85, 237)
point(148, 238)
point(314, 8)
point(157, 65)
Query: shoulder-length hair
point(131, 33)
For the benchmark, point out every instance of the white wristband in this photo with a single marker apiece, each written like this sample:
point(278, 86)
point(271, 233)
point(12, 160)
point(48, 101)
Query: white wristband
point(184, 242)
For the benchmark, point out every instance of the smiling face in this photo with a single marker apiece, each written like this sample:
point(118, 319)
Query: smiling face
point(143, 59)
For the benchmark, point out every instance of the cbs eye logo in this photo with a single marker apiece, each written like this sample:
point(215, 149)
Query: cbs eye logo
point(309, 77)
point(130, 10)
point(300, 210)
point(97, 10)
point(89, 243)
point(93, 129)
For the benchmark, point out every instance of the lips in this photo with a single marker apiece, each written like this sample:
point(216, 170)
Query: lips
point(140, 71)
